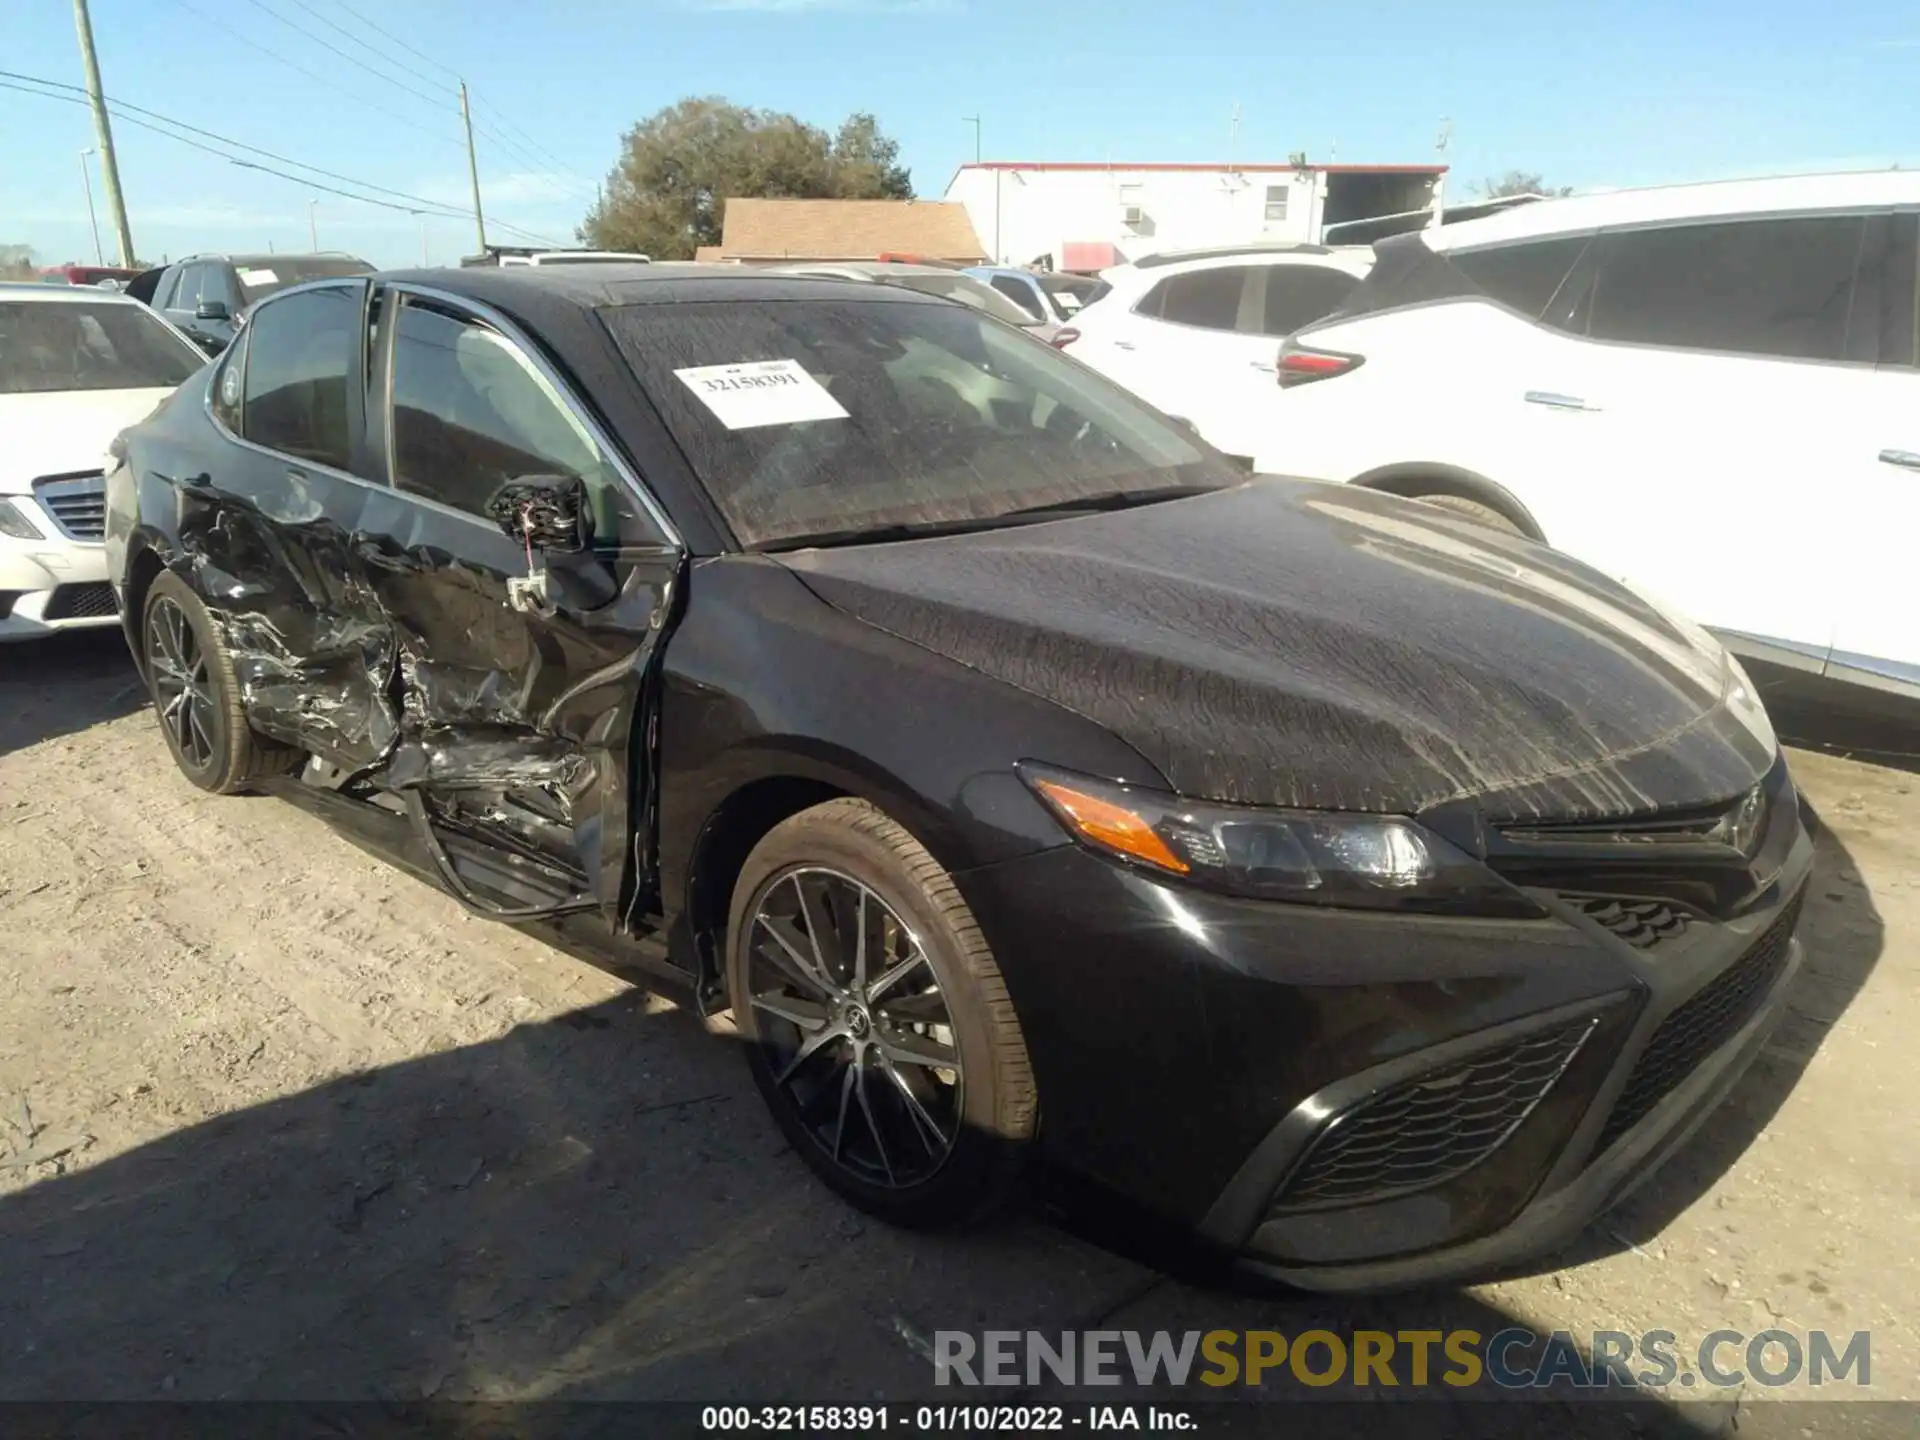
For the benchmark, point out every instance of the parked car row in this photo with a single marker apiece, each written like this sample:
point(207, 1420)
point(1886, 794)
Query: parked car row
point(1711, 392)
point(1374, 893)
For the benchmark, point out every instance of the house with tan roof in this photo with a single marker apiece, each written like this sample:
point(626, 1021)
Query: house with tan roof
point(765, 230)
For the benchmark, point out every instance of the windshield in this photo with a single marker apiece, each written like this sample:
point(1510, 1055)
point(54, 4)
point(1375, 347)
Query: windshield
point(965, 289)
point(46, 346)
point(817, 420)
point(260, 278)
point(1070, 293)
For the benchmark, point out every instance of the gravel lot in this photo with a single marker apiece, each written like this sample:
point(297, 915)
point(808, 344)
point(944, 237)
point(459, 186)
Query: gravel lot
point(277, 1121)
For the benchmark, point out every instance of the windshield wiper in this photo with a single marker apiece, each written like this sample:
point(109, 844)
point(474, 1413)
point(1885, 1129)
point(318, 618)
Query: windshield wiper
point(1025, 515)
point(1115, 500)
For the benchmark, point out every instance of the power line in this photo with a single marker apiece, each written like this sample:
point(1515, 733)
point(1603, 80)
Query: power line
point(416, 205)
point(126, 105)
point(396, 39)
point(275, 55)
point(547, 155)
point(351, 59)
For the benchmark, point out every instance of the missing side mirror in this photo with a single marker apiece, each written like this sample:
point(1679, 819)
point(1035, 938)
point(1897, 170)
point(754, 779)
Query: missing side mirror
point(549, 512)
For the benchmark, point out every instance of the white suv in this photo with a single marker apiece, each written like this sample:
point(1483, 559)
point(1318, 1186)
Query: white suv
point(77, 366)
point(1193, 332)
point(1709, 391)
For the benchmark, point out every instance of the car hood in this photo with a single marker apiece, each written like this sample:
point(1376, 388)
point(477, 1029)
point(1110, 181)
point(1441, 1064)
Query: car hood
point(1288, 643)
point(62, 431)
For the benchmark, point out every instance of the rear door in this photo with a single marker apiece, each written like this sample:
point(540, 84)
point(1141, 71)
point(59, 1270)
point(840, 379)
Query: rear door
point(522, 752)
point(1237, 397)
point(1707, 414)
point(1174, 346)
point(270, 529)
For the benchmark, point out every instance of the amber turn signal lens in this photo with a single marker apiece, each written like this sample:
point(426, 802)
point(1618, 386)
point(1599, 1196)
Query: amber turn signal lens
point(1112, 826)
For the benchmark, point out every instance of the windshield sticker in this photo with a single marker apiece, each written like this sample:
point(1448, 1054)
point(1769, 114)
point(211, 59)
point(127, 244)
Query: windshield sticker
point(259, 277)
point(762, 392)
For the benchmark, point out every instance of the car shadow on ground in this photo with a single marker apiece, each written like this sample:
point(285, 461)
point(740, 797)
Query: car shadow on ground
point(590, 1208)
point(65, 684)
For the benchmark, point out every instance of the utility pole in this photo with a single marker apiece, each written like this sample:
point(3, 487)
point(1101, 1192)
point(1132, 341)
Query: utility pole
point(86, 179)
point(473, 169)
point(1440, 180)
point(313, 231)
point(973, 120)
point(103, 131)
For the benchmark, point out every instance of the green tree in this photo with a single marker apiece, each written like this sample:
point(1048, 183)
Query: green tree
point(1520, 182)
point(667, 195)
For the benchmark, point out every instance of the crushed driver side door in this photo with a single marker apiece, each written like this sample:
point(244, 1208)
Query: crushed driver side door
point(524, 754)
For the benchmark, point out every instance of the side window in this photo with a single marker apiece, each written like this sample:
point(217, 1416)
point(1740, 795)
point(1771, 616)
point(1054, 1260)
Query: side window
point(301, 351)
point(186, 291)
point(1298, 295)
point(1756, 287)
point(470, 413)
point(227, 383)
point(1208, 299)
point(1522, 277)
point(1020, 293)
point(164, 291)
point(221, 285)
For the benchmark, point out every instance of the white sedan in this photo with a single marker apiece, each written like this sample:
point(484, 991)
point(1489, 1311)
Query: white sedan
point(77, 366)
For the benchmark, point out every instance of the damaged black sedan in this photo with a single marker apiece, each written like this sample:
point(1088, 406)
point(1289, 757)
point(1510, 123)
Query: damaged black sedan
point(1374, 895)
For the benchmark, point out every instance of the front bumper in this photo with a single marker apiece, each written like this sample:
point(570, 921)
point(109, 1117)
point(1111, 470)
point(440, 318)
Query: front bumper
point(51, 585)
point(1194, 1053)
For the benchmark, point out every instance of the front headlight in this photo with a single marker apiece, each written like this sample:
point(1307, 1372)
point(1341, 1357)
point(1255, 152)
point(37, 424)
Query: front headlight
point(1373, 862)
point(14, 522)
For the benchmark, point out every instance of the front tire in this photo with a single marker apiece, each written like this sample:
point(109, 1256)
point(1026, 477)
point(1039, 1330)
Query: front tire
point(876, 1022)
point(197, 696)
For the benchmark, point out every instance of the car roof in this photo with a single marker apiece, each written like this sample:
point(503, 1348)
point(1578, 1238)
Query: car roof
point(1355, 259)
point(57, 294)
point(527, 288)
point(1859, 189)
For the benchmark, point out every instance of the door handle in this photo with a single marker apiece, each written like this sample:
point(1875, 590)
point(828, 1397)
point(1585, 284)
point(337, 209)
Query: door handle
point(1261, 365)
point(1905, 459)
point(1558, 402)
point(1123, 345)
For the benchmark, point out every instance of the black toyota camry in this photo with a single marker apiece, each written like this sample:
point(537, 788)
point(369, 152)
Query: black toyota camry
point(1377, 896)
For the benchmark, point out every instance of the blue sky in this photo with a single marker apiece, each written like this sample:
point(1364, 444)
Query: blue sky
point(1589, 95)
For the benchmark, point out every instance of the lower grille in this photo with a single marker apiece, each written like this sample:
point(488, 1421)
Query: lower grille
point(1643, 924)
point(82, 602)
point(1703, 1024)
point(77, 503)
point(1426, 1131)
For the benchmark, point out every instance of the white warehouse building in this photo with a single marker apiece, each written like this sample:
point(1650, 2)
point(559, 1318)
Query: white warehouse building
point(1087, 215)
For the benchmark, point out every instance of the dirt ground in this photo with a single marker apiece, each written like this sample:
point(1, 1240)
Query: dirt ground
point(277, 1121)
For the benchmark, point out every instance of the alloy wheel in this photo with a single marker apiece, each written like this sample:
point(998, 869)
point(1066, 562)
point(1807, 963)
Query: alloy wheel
point(183, 691)
point(857, 1034)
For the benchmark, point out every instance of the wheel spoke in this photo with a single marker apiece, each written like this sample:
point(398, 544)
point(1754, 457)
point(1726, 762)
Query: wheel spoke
point(808, 1048)
point(804, 1013)
point(204, 746)
point(873, 1124)
point(921, 1050)
point(810, 921)
point(893, 974)
point(927, 1007)
point(860, 939)
point(924, 1124)
point(840, 1121)
point(790, 959)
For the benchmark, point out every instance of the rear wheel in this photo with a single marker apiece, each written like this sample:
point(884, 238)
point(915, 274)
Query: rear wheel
point(877, 1025)
point(1479, 512)
point(197, 696)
